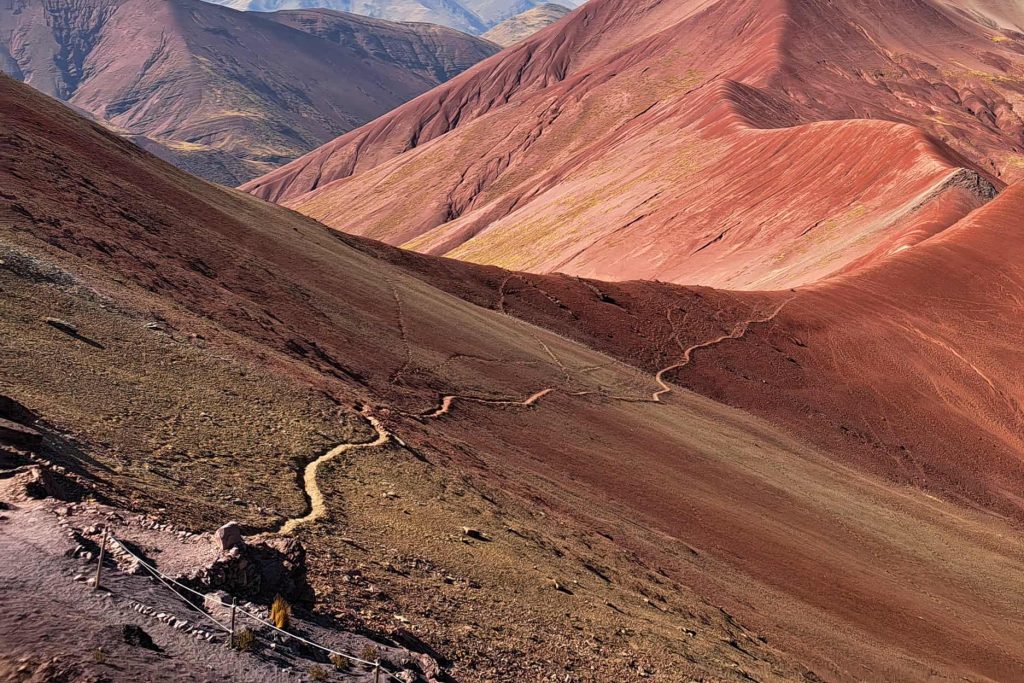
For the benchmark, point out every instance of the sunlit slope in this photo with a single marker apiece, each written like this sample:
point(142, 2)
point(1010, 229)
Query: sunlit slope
point(738, 144)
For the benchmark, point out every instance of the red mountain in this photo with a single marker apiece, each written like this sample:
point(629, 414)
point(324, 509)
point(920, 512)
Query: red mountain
point(221, 344)
point(739, 144)
point(225, 94)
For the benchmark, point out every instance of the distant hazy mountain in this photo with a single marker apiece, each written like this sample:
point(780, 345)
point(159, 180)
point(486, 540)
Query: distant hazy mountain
point(223, 94)
point(433, 52)
point(473, 16)
point(522, 26)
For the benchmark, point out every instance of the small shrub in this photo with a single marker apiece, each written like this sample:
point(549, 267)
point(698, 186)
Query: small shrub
point(245, 639)
point(318, 673)
point(369, 653)
point(99, 656)
point(341, 663)
point(280, 613)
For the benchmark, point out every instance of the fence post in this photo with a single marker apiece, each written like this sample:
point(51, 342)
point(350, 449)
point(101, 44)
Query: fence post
point(99, 561)
point(376, 672)
point(234, 606)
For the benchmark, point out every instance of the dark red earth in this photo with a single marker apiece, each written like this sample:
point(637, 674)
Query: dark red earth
point(866, 522)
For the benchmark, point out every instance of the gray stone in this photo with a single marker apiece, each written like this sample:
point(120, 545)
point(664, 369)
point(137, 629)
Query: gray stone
point(229, 536)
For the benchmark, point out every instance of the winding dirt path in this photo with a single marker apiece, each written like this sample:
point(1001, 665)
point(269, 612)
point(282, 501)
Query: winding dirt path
point(446, 402)
point(317, 508)
point(738, 332)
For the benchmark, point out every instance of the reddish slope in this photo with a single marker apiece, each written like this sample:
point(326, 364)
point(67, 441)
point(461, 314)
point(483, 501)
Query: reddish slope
point(212, 86)
point(688, 538)
point(569, 154)
point(856, 365)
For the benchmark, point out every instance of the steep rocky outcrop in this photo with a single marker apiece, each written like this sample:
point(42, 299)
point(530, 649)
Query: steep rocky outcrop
point(259, 571)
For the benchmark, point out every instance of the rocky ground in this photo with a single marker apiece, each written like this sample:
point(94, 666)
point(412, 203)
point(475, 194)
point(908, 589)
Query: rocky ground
point(56, 626)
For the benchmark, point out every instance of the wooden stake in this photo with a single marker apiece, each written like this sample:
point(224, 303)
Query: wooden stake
point(376, 672)
point(99, 562)
point(234, 606)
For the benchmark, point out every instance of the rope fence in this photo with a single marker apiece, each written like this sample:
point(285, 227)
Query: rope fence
point(170, 584)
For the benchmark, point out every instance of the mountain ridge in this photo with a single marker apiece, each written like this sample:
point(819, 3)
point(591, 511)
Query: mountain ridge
point(525, 24)
point(471, 16)
point(225, 94)
point(770, 91)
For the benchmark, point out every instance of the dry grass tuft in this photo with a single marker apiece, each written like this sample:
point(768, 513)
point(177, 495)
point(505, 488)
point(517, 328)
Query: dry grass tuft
point(341, 663)
point(280, 613)
point(245, 639)
point(369, 653)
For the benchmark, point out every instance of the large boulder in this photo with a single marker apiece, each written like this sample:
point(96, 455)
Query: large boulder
point(259, 572)
point(229, 536)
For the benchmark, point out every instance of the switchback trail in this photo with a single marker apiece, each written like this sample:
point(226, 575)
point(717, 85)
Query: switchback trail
point(317, 509)
point(738, 332)
point(446, 402)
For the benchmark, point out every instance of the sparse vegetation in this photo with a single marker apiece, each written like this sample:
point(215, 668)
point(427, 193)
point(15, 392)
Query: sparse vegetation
point(318, 673)
point(341, 663)
point(369, 653)
point(245, 639)
point(280, 613)
point(99, 656)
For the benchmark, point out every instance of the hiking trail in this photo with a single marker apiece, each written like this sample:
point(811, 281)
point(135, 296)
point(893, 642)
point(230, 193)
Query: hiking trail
point(317, 508)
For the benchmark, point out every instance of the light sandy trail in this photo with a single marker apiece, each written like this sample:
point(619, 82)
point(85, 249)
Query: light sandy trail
point(317, 509)
point(665, 388)
point(737, 333)
point(446, 402)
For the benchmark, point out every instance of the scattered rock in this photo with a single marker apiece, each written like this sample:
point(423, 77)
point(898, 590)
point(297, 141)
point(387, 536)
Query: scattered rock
point(216, 604)
point(229, 536)
point(37, 483)
point(260, 571)
point(62, 325)
point(474, 533)
point(429, 667)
